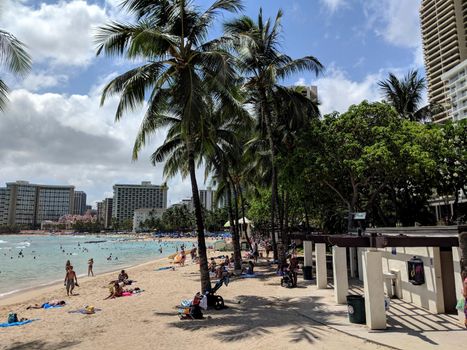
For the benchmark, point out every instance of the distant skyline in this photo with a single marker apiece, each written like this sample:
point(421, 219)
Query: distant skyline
point(54, 132)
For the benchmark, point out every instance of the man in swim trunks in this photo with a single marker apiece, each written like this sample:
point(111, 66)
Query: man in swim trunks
point(70, 281)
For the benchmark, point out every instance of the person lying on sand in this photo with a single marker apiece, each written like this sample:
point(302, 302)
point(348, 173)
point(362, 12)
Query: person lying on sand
point(48, 303)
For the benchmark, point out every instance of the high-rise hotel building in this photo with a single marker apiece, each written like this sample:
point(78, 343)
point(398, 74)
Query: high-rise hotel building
point(444, 34)
point(79, 205)
point(127, 198)
point(27, 205)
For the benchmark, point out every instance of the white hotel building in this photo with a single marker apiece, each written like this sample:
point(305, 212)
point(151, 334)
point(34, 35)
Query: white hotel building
point(455, 81)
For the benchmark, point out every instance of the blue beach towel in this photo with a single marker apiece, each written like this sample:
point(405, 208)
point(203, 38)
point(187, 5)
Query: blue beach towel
point(47, 306)
point(20, 323)
point(250, 276)
point(164, 268)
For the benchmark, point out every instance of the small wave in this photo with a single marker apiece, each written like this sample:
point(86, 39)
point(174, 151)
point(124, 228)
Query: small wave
point(21, 247)
point(25, 243)
point(74, 254)
point(8, 293)
point(2, 242)
point(6, 248)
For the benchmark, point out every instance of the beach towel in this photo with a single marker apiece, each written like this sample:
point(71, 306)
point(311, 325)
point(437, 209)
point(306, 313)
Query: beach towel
point(251, 276)
point(83, 311)
point(127, 294)
point(19, 323)
point(48, 306)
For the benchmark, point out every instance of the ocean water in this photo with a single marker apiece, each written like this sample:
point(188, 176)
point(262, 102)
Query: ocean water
point(42, 259)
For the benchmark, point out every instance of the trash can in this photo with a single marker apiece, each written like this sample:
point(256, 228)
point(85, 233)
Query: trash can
point(356, 308)
point(307, 273)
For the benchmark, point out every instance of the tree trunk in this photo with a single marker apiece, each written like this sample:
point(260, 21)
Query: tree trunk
point(234, 231)
point(203, 259)
point(463, 249)
point(242, 203)
point(307, 218)
point(272, 149)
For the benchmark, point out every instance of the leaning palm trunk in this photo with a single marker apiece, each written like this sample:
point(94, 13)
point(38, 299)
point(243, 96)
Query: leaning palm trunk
point(203, 259)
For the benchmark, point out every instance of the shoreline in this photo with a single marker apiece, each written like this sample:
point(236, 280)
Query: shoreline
point(25, 294)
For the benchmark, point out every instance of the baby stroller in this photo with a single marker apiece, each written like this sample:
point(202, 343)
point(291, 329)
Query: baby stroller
point(288, 279)
point(216, 301)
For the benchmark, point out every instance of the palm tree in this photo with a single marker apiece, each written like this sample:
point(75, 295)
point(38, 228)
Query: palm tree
point(14, 57)
point(263, 65)
point(182, 69)
point(406, 95)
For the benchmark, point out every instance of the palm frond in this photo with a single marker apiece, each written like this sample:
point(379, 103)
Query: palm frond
point(13, 54)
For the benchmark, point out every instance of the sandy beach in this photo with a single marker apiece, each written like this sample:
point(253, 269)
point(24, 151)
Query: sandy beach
point(260, 315)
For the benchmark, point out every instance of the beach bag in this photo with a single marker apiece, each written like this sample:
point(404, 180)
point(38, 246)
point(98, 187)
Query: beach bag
point(12, 317)
point(204, 303)
point(460, 304)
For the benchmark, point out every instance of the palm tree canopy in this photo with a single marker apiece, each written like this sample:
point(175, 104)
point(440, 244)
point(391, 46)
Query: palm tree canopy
point(182, 66)
point(405, 94)
point(14, 57)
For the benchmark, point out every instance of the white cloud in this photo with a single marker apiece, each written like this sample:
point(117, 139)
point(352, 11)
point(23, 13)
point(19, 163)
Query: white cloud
point(397, 21)
point(68, 139)
point(336, 91)
point(333, 5)
point(41, 80)
point(59, 34)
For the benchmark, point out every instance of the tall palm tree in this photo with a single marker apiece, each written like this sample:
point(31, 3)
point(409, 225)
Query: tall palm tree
point(406, 95)
point(182, 69)
point(14, 57)
point(259, 59)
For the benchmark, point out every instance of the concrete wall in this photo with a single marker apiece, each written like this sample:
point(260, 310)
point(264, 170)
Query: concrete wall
point(456, 254)
point(428, 295)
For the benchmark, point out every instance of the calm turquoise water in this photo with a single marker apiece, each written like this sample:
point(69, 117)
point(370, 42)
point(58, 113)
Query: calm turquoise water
point(43, 257)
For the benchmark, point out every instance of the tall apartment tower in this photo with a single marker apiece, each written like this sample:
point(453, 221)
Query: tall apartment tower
point(207, 198)
point(3, 207)
point(30, 204)
point(79, 207)
point(444, 34)
point(127, 198)
point(107, 205)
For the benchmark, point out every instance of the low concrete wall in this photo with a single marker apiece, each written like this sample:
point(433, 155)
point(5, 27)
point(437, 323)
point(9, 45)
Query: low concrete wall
point(428, 295)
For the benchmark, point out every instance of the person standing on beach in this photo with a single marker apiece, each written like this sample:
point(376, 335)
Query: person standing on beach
point(90, 263)
point(70, 281)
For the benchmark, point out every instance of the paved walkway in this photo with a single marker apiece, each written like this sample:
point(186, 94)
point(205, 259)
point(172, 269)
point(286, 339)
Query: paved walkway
point(409, 326)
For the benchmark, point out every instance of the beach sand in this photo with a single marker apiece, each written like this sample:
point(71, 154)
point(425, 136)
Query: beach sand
point(260, 315)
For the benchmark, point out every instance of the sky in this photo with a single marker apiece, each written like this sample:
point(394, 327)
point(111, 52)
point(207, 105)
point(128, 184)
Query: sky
point(54, 130)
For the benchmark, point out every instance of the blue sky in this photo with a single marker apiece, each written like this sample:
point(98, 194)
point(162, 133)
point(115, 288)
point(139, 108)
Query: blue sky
point(55, 132)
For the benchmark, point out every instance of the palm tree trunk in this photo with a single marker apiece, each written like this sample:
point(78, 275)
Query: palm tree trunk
point(242, 203)
point(234, 232)
point(272, 149)
point(203, 259)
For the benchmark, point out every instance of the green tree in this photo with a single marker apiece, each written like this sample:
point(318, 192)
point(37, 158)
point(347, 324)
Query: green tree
point(14, 57)
point(182, 69)
point(263, 65)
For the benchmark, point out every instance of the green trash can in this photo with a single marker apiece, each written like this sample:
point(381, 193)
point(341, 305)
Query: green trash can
point(307, 273)
point(356, 308)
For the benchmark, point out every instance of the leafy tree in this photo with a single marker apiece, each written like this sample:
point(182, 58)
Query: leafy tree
point(14, 57)
point(452, 165)
point(182, 69)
